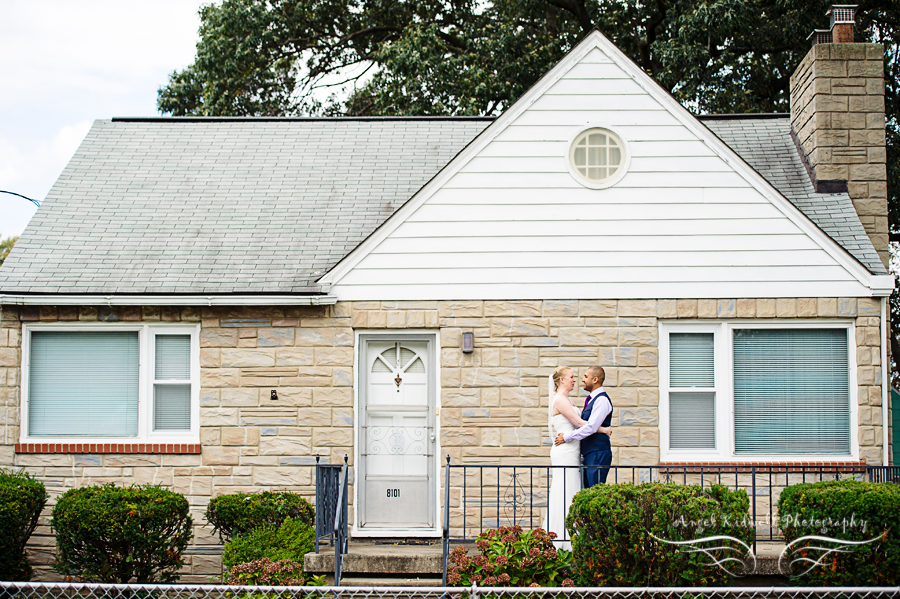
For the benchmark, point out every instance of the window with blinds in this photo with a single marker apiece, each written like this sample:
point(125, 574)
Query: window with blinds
point(83, 384)
point(130, 382)
point(172, 383)
point(791, 391)
point(692, 391)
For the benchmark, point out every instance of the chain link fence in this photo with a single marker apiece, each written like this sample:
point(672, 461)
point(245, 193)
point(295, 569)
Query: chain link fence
point(64, 590)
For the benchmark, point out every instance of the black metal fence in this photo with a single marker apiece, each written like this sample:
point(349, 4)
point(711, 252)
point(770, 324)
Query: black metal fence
point(478, 497)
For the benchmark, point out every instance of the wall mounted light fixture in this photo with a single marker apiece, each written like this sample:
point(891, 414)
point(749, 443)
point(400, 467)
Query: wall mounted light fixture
point(468, 343)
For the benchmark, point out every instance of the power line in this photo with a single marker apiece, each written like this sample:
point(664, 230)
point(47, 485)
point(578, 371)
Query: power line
point(35, 202)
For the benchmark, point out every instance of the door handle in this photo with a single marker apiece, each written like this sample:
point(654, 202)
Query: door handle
point(432, 437)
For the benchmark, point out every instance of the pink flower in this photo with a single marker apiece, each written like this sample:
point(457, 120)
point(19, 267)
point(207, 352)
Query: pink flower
point(509, 539)
point(501, 560)
point(534, 551)
point(503, 578)
point(568, 582)
point(482, 544)
point(490, 581)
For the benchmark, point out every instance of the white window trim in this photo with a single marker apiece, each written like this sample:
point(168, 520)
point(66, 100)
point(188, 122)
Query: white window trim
point(146, 334)
point(626, 159)
point(724, 377)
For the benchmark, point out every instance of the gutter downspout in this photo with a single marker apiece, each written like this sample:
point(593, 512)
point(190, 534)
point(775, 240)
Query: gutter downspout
point(885, 382)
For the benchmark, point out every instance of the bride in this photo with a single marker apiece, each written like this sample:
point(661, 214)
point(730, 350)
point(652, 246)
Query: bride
point(563, 418)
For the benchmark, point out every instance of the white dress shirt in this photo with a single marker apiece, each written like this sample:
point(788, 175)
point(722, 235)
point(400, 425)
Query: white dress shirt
point(598, 415)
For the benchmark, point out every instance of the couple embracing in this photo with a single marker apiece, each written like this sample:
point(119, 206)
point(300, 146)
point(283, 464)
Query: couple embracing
point(579, 440)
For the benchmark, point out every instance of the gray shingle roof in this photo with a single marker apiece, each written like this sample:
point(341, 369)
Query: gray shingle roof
point(239, 206)
point(766, 145)
point(269, 205)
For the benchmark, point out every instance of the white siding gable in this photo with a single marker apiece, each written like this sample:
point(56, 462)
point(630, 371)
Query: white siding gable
point(506, 219)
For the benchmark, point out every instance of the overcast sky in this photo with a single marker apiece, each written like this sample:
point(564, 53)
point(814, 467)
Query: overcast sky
point(64, 64)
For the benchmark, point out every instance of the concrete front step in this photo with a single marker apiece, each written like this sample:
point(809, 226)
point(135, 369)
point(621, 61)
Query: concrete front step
point(385, 581)
point(402, 560)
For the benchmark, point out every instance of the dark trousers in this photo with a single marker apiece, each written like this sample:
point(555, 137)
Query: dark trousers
point(594, 473)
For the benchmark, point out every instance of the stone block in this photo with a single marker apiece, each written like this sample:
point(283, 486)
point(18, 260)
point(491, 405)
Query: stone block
point(588, 337)
point(294, 356)
point(215, 337)
point(512, 308)
point(868, 307)
point(286, 446)
point(377, 320)
point(707, 308)
point(648, 357)
point(649, 436)
point(520, 436)
point(221, 456)
point(247, 358)
point(451, 337)
point(745, 308)
point(667, 308)
point(309, 337)
point(460, 437)
point(561, 308)
point(489, 377)
point(314, 417)
point(846, 307)
point(333, 397)
point(643, 337)
point(218, 417)
point(637, 308)
point(333, 437)
point(236, 397)
point(519, 357)
point(597, 308)
point(457, 309)
point(636, 377)
point(726, 308)
point(275, 337)
point(342, 377)
point(9, 357)
point(450, 377)
point(281, 477)
point(209, 358)
point(289, 396)
point(827, 306)
point(765, 308)
point(786, 308)
point(519, 327)
point(638, 456)
point(807, 307)
point(686, 308)
point(638, 417)
point(524, 397)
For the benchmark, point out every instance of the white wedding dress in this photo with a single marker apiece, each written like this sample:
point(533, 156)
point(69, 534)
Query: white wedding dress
point(565, 482)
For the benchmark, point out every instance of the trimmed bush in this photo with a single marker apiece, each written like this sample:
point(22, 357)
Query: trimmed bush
point(846, 510)
point(121, 534)
point(265, 572)
point(237, 514)
point(288, 542)
point(511, 557)
point(613, 529)
point(22, 497)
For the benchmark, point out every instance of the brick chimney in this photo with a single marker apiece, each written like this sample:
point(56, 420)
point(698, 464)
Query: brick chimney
point(837, 120)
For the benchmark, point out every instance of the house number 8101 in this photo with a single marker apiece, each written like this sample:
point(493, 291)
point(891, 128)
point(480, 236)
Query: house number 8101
point(393, 492)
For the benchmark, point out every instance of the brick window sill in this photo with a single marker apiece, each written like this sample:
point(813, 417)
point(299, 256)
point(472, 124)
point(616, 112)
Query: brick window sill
point(156, 448)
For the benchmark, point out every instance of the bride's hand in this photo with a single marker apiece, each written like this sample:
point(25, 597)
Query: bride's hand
point(606, 430)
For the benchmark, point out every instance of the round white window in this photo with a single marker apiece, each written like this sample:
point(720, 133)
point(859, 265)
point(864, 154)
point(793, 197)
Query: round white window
point(597, 156)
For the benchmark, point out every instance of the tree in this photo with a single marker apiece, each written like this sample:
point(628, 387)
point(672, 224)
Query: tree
point(6, 245)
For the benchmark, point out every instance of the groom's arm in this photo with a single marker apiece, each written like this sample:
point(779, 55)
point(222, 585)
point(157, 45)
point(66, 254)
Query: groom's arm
point(598, 415)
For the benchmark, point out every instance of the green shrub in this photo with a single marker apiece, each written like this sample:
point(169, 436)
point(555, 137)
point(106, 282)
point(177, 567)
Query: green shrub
point(265, 572)
point(850, 511)
point(240, 513)
point(114, 534)
point(22, 497)
point(288, 542)
point(511, 557)
point(613, 529)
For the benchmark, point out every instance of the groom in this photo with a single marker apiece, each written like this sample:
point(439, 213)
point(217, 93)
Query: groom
point(596, 451)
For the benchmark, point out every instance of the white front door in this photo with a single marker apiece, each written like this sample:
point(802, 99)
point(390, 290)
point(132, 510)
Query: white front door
point(396, 434)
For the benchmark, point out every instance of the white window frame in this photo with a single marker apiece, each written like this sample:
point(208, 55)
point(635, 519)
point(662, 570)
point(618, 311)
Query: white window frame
point(146, 356)
point(609, 182)
point(723, 339)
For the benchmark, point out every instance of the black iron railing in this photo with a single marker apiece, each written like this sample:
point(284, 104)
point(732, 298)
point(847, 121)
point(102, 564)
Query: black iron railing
point(341, 535)
point(478, 497)
point(328, 482)
point(332, 495)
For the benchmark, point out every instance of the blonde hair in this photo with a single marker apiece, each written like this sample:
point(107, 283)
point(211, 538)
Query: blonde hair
point(557, 376)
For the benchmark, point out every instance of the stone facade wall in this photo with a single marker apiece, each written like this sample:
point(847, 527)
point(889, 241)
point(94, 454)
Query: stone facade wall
point(493, 401)
point(837, 112)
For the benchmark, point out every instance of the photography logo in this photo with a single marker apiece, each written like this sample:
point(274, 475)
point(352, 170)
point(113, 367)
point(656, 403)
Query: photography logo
point(738, 559)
